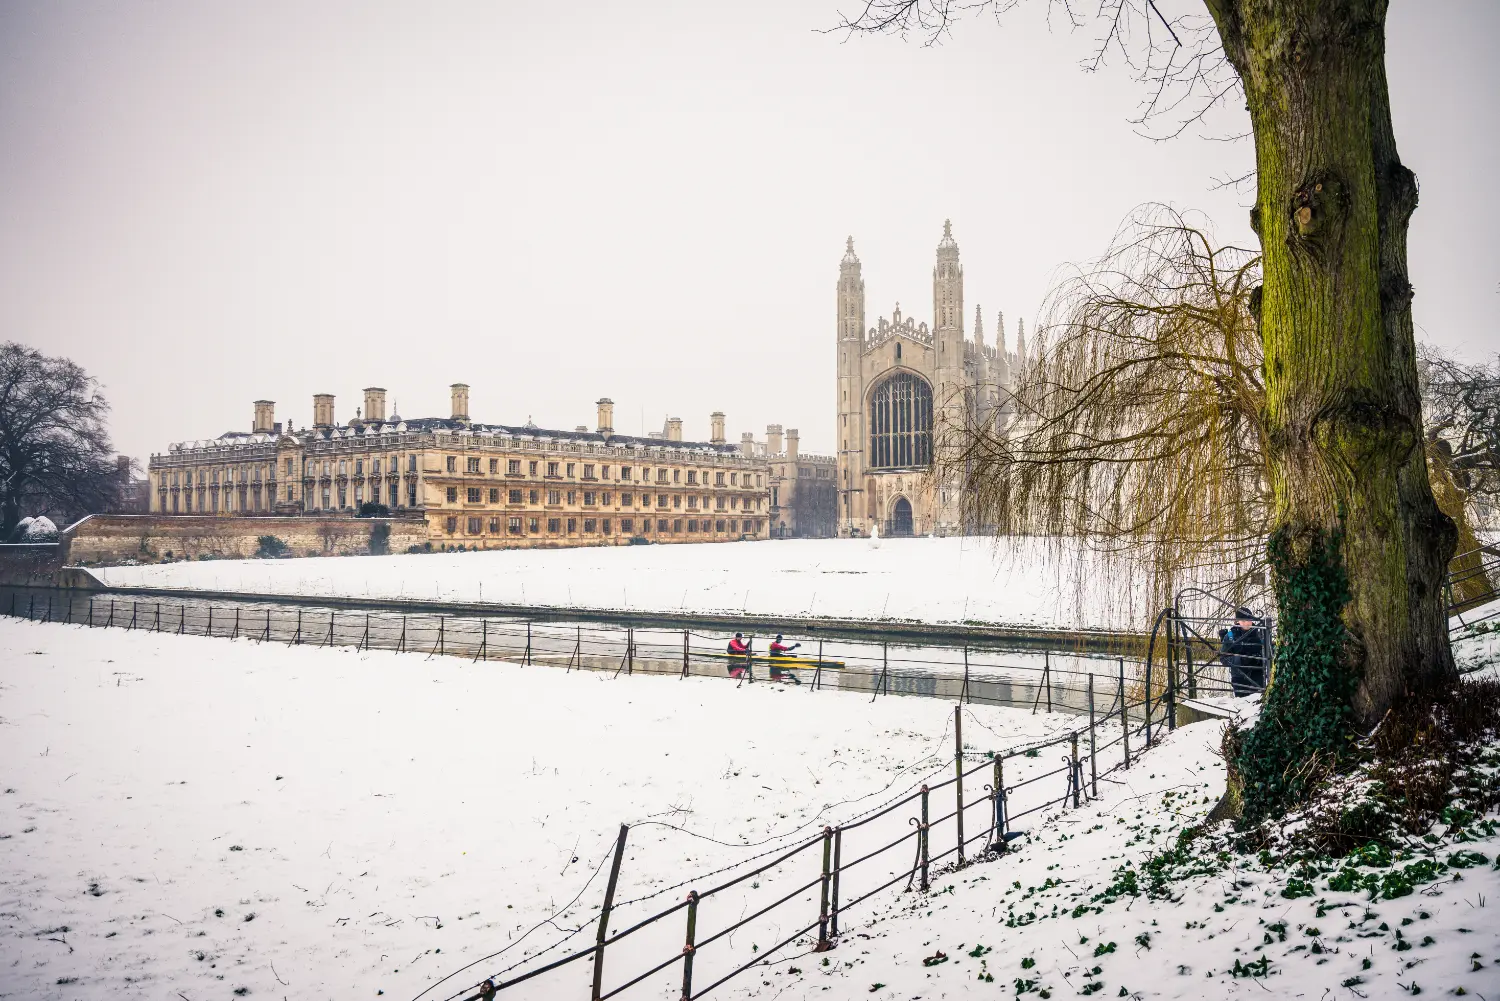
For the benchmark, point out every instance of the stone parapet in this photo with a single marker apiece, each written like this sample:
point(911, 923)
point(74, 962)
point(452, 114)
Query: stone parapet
point(104, 539)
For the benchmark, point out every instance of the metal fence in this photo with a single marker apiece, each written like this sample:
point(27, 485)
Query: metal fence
point(800, 896)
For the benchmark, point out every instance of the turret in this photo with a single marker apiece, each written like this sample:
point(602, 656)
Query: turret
point(791, 443)
point(606, 416)
point(265, 417)
point(458, 394)
point(374, 404)
point(674, 429)
point(773, 439)
point(322, 410)
point(716, 427)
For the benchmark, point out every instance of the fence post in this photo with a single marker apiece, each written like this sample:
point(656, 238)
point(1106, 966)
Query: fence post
point(49, 607)
point(823, 944)
point(1187, 652)
point(1124, 715)
point(91, 608)
point(1077, 770)
point(577, 649)
point(442, 636)
point(609, 899)
point(484, 639)
point(527, 659)
point(111, 620)
point(401, 647)
point(297, 639)
point(963, 694)
point(630, 649)
point(958, 775)
point(1172, 675)
point(1146, 702)
point(922, 847)
point(833, 912)
point(266, 637)
point(364, 641)
point(999, 804)
point(818, 670)
point(209, 631)
point(182, 619)
point(1093, 745)
point(684, 653)
point(1047, 676)
point(135, 608)
point(690, 947)
point(236, 634)
point(70, 608)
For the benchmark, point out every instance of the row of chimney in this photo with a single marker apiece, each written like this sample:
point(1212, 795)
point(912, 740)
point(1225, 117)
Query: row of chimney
point(374, 410)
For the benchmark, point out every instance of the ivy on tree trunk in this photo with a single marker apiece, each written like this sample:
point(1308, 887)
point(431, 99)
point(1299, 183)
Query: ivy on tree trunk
point(1346, 445)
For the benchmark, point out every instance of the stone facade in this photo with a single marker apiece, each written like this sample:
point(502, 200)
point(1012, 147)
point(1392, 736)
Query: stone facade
point(898, 383)
point(475, 485)
point(149, 538)
point(804, 502)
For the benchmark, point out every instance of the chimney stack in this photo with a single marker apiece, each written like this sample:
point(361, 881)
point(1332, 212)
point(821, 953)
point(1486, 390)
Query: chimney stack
point(122, 467)
point(773, 439)
point(606, 415)
point(265, 416)
point(322, 410)
point(747, 443)
point(460, 396)
point(716, 425)
point(375, 404)
point(674, 429)
point(791, 443)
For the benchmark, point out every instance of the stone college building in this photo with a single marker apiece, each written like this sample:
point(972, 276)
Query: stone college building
point(896, 381)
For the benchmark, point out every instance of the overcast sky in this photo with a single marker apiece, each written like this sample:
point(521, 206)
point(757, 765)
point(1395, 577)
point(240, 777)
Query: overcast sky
point(209, 203)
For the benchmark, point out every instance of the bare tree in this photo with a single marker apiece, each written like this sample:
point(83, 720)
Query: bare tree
point(55, 452)
point(1137, 427)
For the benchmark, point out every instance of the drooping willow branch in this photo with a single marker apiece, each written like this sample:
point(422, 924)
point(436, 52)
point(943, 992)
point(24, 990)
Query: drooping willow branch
point(1136, 426)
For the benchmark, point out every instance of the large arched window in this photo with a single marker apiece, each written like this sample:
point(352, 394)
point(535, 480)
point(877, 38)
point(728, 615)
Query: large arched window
point(901, 423)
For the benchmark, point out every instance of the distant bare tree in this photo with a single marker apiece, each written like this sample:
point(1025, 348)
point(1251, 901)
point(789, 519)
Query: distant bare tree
point(1461, 413)
point(55, 452)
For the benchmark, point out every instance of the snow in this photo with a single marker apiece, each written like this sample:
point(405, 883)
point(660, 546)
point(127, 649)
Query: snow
point(1010, 581)
point(1186, 947)
point(195, 815)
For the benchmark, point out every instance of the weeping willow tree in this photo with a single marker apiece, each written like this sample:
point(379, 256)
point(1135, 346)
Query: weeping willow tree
point(1136, 428)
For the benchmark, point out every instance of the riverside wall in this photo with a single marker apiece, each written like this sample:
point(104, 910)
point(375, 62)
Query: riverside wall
point(146, 538)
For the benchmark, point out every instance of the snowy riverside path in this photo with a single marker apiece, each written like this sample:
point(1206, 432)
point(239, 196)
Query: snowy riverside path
point(191, 816)
point(1005, 581)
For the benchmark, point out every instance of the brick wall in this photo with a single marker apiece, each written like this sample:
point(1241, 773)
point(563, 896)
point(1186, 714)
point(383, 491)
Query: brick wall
point(114, 538)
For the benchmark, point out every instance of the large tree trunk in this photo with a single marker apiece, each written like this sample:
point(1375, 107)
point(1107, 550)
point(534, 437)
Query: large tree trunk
point(1343, 407)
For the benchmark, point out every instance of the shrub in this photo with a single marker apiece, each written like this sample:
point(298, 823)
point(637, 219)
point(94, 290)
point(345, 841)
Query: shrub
point(268, 547)
point(380, 539)
point(373, 509)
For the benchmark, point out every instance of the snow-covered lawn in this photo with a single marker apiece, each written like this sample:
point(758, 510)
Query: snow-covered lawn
point(184, 816)
point(1009, 581)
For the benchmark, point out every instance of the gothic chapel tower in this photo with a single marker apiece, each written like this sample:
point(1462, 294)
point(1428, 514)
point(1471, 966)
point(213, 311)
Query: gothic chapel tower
point(851, 390)
point(948, 317)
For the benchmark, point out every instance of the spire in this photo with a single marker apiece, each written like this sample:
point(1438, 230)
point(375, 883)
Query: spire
point(979, 325)
point(1021, 342)
point(849, 255)
point(1000, 333)
point(947, 242)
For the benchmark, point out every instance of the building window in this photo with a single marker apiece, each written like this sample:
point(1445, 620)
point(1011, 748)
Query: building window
point(531, 468)
point(693, 525)
point(571, 467)
point(452, 464)
point(534, 495)
point(515, 496)
point(473, 465)
point(676, 476)
point(677, 500)
point(551, 469)
point(693, 476)
point(676, 526)
point(901, 423)
point(590, 526)
point(734, 479)
point(604, 472)
point(719, 503)
point(627, 525)
point(494, 465)
point(627, 499)
point(514, 525)
point(554, 525)
point(411, 463)
point(494, 495)
point(572, 497)
point(554, 496)
point(359, 467)
point(661, 524)
point(474, 495)
point(494, 526)
point(533, 525)
point(513, 467)
point(288, 469)
point(450, 525)
point(588, 498)
point(476, 526)
point(661, 476)
point(605, 526)
point(625, 473)
point(453, 495)
point(343, 498)
point(395, 493)
point(604, 498)
point(719, 525)
point(572, 526)
point(588, 470)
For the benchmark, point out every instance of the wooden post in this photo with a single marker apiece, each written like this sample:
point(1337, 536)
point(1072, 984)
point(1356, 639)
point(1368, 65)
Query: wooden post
point(1093, 745)
point(609, 899)
point(401, 646)
point(182, 619)
point(442, 636)
point(630, 649)
point(818, 670)
point(1124, 715)
point(364, 641)
point(111, 620)
point(1146, 702)
point(266, 638)
point(958, 775)
point(209, 629)
point(823, 944)
point(689, 948)
point(155, 626)
point(922, 846)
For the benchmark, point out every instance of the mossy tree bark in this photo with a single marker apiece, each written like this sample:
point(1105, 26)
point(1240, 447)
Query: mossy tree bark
point(1332, 210)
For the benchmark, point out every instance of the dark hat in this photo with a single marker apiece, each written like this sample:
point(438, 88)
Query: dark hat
point(738, 635)
point(1243, 613)
point(778, 636)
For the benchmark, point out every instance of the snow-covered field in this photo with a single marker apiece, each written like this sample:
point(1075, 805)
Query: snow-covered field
point(189, 816)
point(1009, 581)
